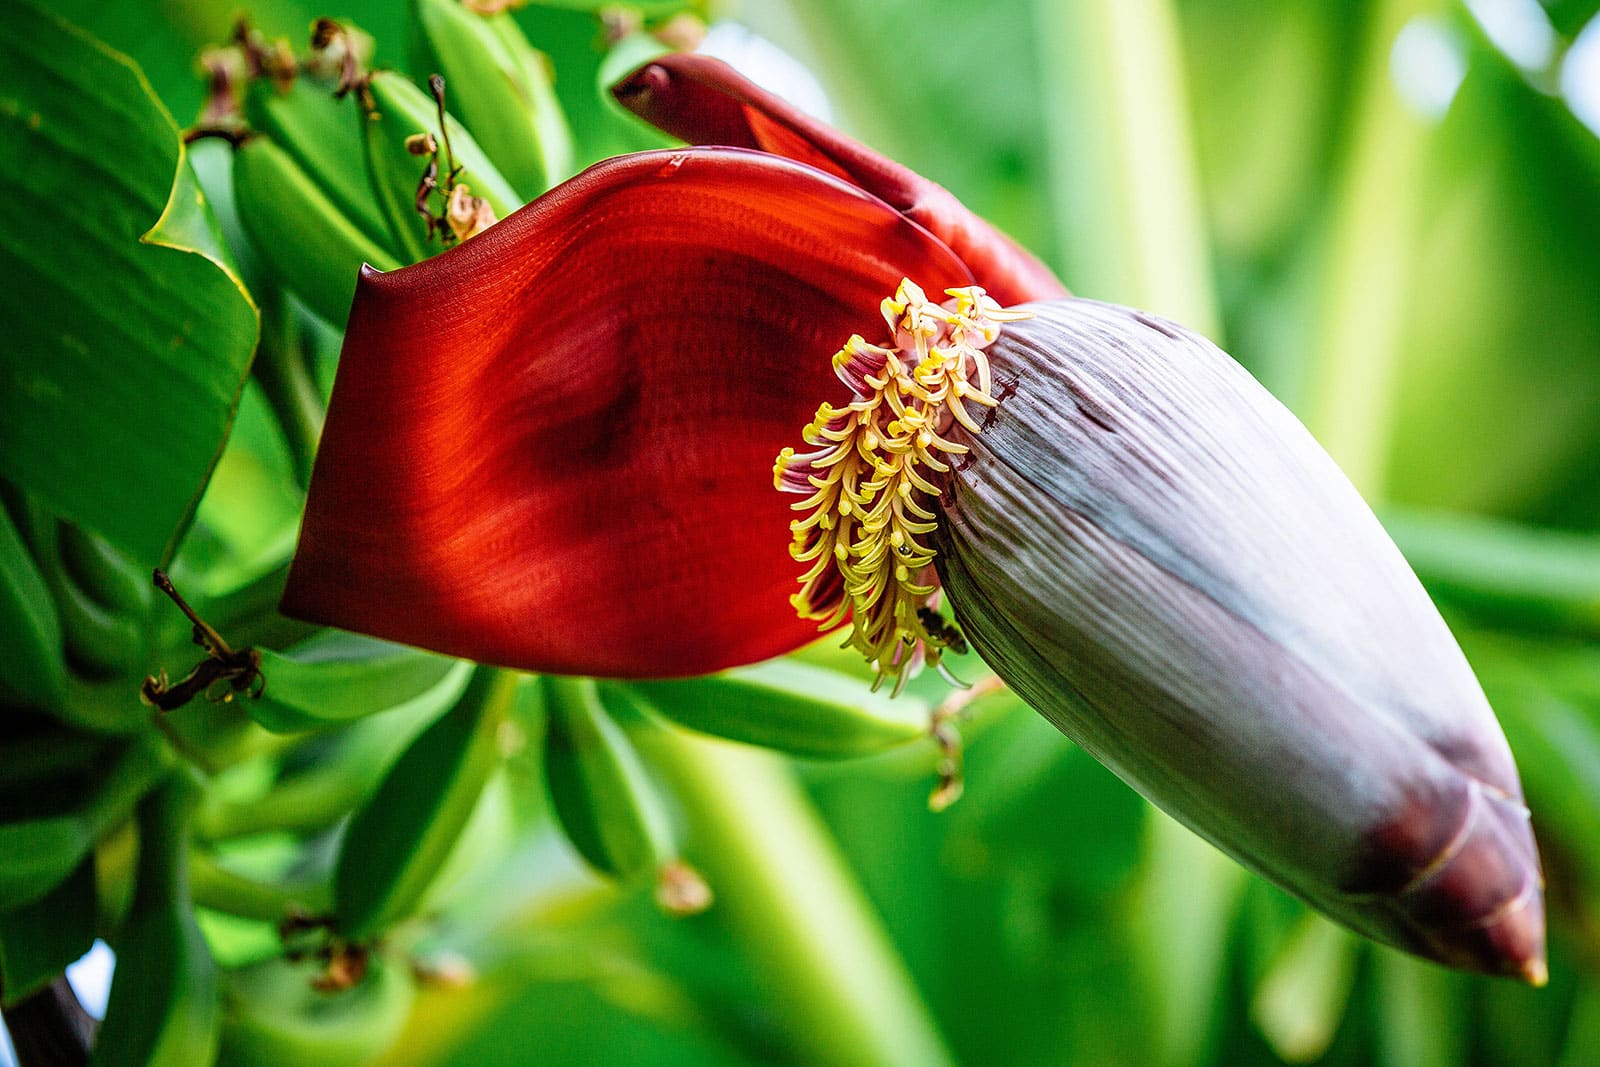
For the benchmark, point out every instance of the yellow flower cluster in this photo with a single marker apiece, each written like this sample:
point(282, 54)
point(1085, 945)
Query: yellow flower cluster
point(868, 484)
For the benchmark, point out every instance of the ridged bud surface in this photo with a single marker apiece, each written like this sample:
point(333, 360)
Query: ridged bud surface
point(1161, 560)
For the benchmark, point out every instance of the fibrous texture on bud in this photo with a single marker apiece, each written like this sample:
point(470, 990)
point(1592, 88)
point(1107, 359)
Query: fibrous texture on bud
point(1162, 561)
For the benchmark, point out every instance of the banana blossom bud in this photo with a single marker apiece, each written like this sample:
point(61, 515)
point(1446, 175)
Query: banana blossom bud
point(1164, 563)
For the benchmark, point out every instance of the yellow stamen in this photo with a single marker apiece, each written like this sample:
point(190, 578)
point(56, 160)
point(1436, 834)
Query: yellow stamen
point(874, 496)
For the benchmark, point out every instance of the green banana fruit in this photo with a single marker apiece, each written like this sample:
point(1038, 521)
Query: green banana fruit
point(322, 134)
point(165, 1008)
point(400, 113)
point(32, 671)
point(39, 853)
point(274, 1015)
point(399, 840)
point(100, 644)
point(499, 87)
point(611, 809)
point(115, 581)
point(320, 794)
point(792, 707)
point(301, 236)
point(335, 678)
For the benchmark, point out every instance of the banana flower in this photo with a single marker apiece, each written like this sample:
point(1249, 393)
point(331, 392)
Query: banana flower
point(552, 448)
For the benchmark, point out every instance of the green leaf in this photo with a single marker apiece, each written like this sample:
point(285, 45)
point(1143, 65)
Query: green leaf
point(338, 677)
point(129, 334)
point(38, 941)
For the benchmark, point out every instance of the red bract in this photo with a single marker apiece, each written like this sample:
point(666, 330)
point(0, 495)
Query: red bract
point(551, 447)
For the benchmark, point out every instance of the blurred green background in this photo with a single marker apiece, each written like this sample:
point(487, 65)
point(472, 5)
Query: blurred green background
point(1388, 210)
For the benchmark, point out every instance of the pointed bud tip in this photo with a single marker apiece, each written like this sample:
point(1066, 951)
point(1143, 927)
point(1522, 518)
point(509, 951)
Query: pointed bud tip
point(1536, 973)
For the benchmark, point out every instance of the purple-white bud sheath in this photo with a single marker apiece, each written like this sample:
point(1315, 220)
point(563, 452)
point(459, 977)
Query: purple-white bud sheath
point(1160, 559)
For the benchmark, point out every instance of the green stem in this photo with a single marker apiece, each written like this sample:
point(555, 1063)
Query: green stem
point(1123, 174)
point(811, 936)
point(310, 801)
point(284, 374)
point(1369, 264)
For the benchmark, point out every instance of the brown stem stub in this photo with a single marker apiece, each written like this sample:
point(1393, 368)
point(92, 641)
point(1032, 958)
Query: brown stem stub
point(222, 675)
point(942, 728)
point(344, 963)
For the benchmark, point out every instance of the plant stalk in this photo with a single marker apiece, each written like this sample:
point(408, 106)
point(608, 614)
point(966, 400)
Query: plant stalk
point(819, 951)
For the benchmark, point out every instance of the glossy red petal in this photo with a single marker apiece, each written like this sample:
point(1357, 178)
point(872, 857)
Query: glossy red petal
point(552, 447)
point(705, 101)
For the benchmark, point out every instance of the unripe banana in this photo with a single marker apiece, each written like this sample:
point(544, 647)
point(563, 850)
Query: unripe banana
point(164, 1009)
point(500, 88)
point(32, 670)
point(100, 644)
point(335, 678)
point(402, 112)
point(348, 767)
point(275, 1016)
point(398, 842)
point(611, 810)
point(116, 581)
point(793, 707)
point(322, 135)
point(303, 239)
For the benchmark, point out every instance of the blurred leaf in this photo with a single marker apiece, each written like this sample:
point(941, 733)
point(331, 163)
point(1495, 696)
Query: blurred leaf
point(622, 1020)
point(1570, 16)
point(1267, 80)
point(1499, 385)
point(1189, 894)
point(38, 941)
point(980, 136)
point(130, 333)
point(1512, 575)
point(1302, 997)
point(1420, 1017)
point(1557, 748)
point(1122, 166)
point(1583, 1034)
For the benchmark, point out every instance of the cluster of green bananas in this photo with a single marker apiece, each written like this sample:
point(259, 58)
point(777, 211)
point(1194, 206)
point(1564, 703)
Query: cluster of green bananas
point(327, 177)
